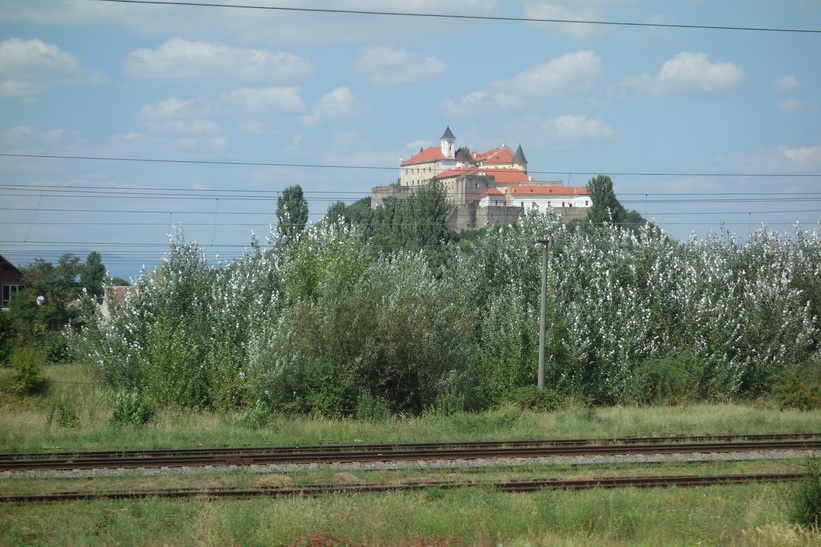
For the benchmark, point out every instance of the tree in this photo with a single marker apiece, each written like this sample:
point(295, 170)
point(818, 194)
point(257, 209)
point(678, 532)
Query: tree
point(607, 209)
point(292, 212)
point(92, 275)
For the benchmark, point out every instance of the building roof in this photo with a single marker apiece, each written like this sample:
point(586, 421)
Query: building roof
point(502, 154)
point(493, 192)
point(532, 190)
point(424, 156)
point(448, 135)
point(520, 156)
point(8, 266)
point(501, 176)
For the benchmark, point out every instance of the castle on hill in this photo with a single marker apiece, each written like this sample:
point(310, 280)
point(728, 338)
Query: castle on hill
point(485, 188)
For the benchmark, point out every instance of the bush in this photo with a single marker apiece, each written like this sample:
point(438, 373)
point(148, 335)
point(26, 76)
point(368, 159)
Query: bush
point(132, 408)
point(800, 387)
point(55, 349)
point(806, 509)
point(64, 412)
point(26, 374)
point(372, 409)
point(533, 398)
point(256, 417)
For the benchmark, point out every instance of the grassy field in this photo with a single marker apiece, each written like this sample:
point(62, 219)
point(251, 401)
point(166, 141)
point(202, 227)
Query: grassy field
point(737, 515)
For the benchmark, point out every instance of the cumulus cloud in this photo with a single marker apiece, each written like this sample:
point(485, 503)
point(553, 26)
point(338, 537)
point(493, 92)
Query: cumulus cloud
point(689, 74)
point(787, 83)
point(335, 105)
point(266, 99)
point(577, 129)
point(29, 67)
point(389, 65)
point(570, 75)
point(179, 59)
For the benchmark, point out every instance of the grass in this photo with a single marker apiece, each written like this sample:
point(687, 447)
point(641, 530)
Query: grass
point(731, 515)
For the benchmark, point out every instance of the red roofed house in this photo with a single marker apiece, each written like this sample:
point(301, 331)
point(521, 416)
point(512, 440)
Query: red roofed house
point(480, 187)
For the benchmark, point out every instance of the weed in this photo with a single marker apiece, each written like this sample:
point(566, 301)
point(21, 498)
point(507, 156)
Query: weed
point(806, 509)
point(64, 412)
point(256, 417)
point(132, 408)
point(372, 408)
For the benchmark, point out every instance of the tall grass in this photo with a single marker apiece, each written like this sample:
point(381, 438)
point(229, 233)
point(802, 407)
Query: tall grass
point(746, 515)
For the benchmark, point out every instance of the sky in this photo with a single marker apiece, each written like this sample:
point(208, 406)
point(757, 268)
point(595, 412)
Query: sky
point(123, 123)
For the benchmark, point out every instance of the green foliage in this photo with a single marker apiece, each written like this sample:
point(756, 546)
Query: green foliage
point(292, 213)
point(132, 408)
point(55, 349)
point(606, 208)
point(64, 412)
point(671, 379)
point(8, 337)
point(806, 509)
point(535, 399)
point(308, 326)
point(26, 373)
point(447, 403)
point(257, 416)
point(799, 387)
point(93, 275)
point(372, 408)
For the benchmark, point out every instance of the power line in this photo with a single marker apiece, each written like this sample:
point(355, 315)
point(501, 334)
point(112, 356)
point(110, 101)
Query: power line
point(463, 17)
point(382, 168)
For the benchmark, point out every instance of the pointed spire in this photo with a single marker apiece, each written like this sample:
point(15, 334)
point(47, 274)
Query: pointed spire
point(447, 135)
point(520, 156)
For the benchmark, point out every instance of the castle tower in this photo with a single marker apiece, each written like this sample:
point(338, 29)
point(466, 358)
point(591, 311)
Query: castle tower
point(448, 144)
point(519, 160)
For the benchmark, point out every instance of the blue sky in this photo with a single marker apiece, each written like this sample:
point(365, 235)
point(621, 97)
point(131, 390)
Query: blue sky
point(274, 94)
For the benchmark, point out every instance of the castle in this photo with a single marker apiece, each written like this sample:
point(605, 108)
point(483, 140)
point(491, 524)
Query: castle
point(483, 189)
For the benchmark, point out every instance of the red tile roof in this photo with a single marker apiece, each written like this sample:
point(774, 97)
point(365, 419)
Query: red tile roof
point(493, 192)
point(502, 154)
point(501, 176)
point(429, 154)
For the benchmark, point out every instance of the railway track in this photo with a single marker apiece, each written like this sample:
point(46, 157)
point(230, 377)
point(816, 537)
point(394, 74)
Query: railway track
point(527, 486)
point(171, 458)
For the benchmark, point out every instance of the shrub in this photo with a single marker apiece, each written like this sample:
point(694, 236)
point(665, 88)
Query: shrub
point(800, 387)
point(64, 412)
point(371, 408)
point(55, 349)
point(806, 509)
point(256, 417)
point(671, 379)
point(132, 408)
point(533, 398)
point(26, 374)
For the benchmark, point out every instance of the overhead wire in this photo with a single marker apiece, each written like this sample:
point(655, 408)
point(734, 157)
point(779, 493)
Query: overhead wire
point(460, 16)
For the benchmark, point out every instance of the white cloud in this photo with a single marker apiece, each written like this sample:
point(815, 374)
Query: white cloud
point(787, 83)
point(29, 67)
point(571, 75)
point(174, 108)
point(179, 59)
point(337, 104)
point(579, 129)
point(24, 135)
point(265, 99)
point(689, 74)
point(797, 105)
point(389, 65)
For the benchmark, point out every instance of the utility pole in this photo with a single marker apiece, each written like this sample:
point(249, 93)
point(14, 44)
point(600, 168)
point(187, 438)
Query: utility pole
point(542, 320)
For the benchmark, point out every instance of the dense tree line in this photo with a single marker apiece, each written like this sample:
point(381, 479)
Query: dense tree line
point(356, 310)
